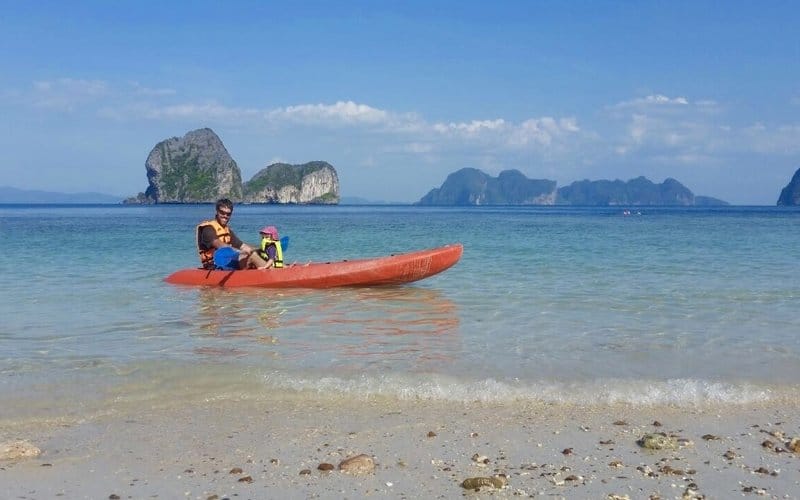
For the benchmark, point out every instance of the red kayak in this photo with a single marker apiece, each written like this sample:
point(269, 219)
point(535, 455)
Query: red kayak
point(391, 270)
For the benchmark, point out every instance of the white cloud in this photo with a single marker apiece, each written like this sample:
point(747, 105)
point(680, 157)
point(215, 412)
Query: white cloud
point(342, 112)
point(692, 131)
point(638, 128)
point(780, 140)
point(469, 128)
point(654, 127)
point(141, 90)
point(66, 94)
point(404, 131)
point(204, 113)
point(651, 101)
point(658, 125)
point(707, 104)
point(369, 162)
point(542, 131)
point(208, 111)
point(419, 147)
point(499, 134)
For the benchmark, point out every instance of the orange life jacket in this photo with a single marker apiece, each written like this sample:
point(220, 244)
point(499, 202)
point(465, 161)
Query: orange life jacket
point(223, 233)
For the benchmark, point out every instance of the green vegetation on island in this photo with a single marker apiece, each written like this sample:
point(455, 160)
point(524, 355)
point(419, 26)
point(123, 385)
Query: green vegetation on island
point(470, 186)
point(197, 168)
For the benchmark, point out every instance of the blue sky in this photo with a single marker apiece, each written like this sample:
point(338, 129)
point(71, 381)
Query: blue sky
point(397, 95)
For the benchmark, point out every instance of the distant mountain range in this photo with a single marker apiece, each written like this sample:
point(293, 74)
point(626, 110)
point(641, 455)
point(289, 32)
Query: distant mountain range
point(470, 186)
point(14, 195)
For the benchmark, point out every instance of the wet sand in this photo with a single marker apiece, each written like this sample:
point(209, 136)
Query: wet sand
point(273, 449)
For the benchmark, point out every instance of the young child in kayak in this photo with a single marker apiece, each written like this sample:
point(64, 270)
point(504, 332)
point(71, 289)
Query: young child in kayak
point(270, 249)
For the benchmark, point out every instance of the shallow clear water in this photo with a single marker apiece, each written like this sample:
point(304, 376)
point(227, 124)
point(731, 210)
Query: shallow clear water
point(578, 305)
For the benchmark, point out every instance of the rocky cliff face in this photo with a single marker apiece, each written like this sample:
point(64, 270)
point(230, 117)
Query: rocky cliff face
point(198, 169)
point(314, 182)
point(470, 186)
point(639, 191)
point(193, 169)
point(790, 195)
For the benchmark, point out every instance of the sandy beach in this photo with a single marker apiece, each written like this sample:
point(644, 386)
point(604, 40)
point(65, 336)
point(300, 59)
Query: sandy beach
point(279, 448)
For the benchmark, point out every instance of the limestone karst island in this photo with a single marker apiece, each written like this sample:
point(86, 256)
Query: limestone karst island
point(470, 186)
point(790, 194)
point(196, 168)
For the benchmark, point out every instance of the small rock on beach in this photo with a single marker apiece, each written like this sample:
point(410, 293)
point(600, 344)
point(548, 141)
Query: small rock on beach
point(358, 464)
point(14, 450)
point(657, 442)
point(474, 483)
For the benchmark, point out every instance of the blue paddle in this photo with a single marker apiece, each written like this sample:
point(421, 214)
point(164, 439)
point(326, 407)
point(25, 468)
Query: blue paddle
point(226, 258)
point(284, 243)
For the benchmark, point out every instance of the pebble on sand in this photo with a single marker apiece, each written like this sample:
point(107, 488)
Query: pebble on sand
point(473, 483)
point(14, 450)
point(358, 464)
point(657, 442)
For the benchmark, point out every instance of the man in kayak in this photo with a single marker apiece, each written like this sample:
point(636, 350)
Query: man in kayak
point(215, 234)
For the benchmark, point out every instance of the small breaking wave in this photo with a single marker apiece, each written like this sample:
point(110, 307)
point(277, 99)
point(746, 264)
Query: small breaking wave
point(677, 392)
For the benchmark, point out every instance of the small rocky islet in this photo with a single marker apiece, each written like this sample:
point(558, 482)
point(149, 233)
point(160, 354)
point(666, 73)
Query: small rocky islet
point(197, 168)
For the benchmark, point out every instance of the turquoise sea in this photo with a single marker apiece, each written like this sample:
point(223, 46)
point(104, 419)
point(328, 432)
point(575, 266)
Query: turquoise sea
point(680, 306)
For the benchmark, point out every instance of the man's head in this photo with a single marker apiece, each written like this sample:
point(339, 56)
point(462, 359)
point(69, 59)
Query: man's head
point(224, 211)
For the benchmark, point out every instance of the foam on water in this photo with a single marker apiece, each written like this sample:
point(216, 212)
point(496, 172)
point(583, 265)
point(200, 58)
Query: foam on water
point(681, 392)
point(78, 396)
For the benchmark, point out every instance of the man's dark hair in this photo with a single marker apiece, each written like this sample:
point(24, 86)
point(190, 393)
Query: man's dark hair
point(224, 202)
